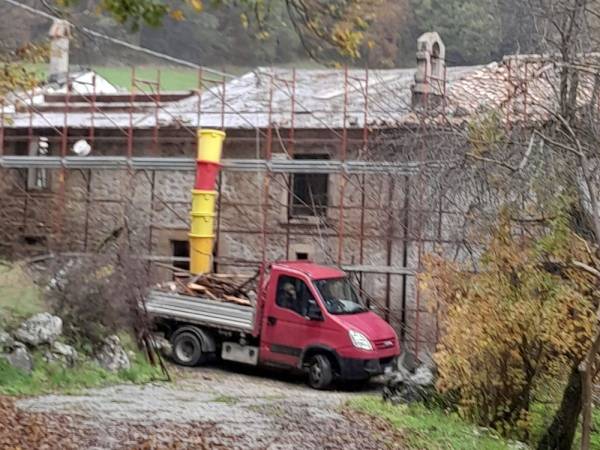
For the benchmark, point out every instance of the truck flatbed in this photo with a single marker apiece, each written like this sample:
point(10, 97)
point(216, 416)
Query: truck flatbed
point(200, 311)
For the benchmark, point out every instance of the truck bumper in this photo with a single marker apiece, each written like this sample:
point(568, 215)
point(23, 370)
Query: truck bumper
point(361, 369)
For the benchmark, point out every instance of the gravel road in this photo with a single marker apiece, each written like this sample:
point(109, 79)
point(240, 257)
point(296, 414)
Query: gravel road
point(215, 407)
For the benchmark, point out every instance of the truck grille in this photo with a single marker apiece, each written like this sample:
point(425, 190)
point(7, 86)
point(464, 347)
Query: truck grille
point(382, 344)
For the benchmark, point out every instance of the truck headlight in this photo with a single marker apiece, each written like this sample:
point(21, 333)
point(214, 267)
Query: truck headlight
point(359, 340)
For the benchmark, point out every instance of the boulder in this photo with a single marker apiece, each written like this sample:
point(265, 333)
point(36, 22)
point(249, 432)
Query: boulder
point(19, 358)
point(63, 353)
point(112, 356)
point(412, 382)
point(42, 328)
point(6, 341)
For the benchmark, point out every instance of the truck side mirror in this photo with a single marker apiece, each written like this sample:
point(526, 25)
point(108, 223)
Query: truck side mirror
point(314, 312)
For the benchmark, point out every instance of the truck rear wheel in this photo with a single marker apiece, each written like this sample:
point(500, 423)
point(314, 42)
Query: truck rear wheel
point(320, 372)
point(187, 349)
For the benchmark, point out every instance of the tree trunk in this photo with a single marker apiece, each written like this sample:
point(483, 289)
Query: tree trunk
point(560, 434)
point(586, 407)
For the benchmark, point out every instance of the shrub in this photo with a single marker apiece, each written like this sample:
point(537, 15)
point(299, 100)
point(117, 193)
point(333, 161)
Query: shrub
point(97, 295)
point(520, 321)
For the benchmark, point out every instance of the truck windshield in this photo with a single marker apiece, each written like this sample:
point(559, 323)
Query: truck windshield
point(339, 296)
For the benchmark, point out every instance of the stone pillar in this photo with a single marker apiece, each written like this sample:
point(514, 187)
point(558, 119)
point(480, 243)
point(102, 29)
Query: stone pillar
point(430, 76)
point(60, 35)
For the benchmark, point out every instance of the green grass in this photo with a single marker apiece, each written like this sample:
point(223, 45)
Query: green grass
point(542, 415)
point(50, 378)
point(171, 78)
point(19, 296)
point(436, 429)
point(430, 428)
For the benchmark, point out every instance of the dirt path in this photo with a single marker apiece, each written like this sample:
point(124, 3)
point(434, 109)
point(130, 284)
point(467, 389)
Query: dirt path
point(214, 408)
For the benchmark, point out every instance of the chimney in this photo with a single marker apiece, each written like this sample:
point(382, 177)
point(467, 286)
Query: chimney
point(430, 77)
point(60, 34)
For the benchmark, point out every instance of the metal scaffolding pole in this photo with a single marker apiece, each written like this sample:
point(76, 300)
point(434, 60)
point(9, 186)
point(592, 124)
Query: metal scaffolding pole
point(233, 165)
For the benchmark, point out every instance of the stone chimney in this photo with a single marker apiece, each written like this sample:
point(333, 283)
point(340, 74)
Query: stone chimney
point(430, 77)
point(60, 35)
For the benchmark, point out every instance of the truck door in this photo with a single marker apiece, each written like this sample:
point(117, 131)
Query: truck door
point(286, 329)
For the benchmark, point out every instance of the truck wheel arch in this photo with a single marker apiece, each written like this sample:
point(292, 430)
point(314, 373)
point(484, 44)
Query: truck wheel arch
point(207, 341)
point(331, 354)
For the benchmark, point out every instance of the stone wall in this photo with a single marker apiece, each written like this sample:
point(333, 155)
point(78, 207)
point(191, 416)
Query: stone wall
point(157, 203)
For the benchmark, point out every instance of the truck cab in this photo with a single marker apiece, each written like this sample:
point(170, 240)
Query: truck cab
point(307, 317)
point(313, 319)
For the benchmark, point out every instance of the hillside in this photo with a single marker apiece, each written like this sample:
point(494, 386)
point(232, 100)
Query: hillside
point(474, 31)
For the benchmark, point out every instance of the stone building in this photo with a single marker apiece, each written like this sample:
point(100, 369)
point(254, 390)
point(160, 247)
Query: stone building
point(307, 174)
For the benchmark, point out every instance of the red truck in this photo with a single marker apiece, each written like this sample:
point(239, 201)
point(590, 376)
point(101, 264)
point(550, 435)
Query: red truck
point(307, 317)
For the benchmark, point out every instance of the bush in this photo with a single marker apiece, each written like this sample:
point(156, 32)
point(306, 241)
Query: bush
point(20, 298)
point(97, 296)
point(523, 319)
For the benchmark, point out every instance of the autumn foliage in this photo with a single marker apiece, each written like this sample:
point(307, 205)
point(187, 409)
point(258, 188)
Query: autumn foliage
point(520, 321)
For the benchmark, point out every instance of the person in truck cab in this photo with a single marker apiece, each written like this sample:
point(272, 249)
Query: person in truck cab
point(295, 299)
point(287, 296)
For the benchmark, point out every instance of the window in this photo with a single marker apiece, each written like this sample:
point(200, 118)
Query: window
point(309, 191)
point(180, 249)
point(339, 296)
point(293, 294)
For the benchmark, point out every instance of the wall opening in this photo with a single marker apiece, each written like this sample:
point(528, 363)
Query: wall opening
point(309, 194)
point(36, 240)
point(301, 256)
point(180, 249)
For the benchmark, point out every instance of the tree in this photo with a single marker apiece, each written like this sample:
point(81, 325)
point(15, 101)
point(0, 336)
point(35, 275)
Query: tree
point(471, 29)
point(15, 71)
point(320, 24)
point(390, 39)
point(529, 312)
point(216, 36)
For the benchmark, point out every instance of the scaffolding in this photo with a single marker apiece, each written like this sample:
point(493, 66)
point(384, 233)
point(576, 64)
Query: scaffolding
point(370, 186)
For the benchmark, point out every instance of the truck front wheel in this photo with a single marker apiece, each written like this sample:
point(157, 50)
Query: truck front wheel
point(320, 372)
point(187, 349)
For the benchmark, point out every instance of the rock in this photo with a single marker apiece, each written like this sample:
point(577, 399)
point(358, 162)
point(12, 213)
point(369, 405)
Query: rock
point(408, 361)
point(43, 328)
point(6, 341)
point(19, 358)
point(423, 376)
point(63, 353)
point(112, 356)
point(412, 382)
point(162, 345)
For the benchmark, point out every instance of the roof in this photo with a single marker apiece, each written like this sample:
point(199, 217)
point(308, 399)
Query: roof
point(520, 87)
point(314, 271)
point(47, 104)
point(319, 97)
point(82, 83)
